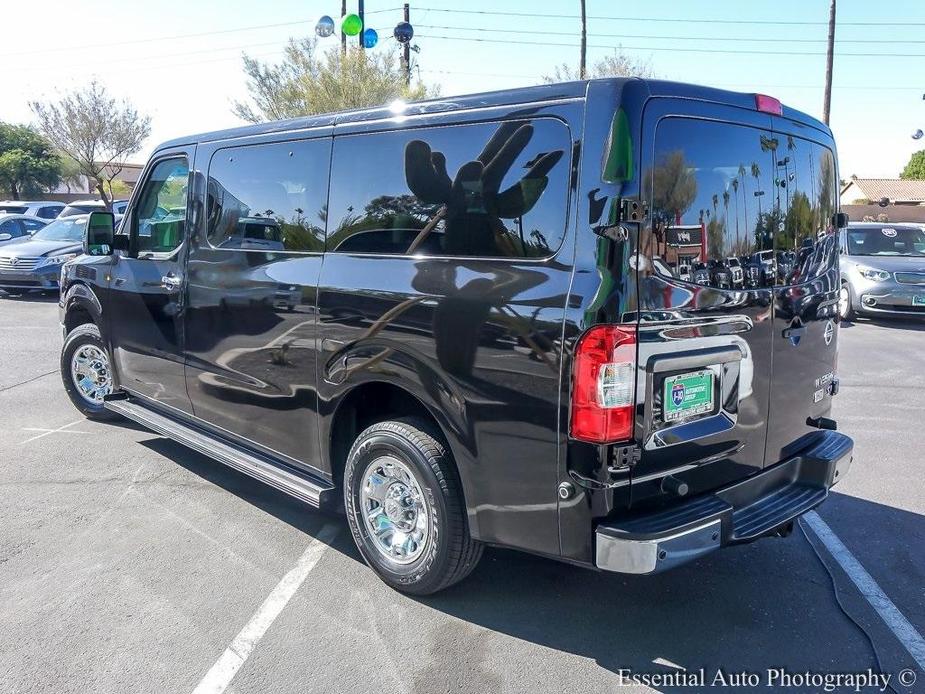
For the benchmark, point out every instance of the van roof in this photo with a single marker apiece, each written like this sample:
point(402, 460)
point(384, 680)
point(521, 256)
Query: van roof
point(507, 97)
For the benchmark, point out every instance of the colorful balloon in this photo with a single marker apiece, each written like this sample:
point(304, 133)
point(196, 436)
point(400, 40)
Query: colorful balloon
point(325, 27)
point(370, 38)
point(351, 25)
point(403, 32)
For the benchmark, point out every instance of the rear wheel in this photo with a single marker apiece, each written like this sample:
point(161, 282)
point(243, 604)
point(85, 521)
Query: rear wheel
point(405, 508)
point(87, 372)
point(845, 307)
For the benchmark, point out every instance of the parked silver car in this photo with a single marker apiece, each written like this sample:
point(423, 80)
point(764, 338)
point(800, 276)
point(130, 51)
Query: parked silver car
point(882, 269)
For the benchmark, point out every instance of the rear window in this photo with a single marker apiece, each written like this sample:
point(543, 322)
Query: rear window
point(734, 194)
point(71, 210)
point(483, 190)
point(13, 209)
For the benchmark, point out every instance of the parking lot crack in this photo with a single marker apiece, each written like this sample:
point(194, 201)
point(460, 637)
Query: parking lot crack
point(28, 380)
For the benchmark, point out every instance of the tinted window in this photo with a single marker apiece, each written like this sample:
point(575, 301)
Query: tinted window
point(269, 197)
point(159, 221)
point(13, 209)
point(805, 188)
point(11, 227)
point(32, 224)
point(49, 212)
point(471, 190)
point(712, 199)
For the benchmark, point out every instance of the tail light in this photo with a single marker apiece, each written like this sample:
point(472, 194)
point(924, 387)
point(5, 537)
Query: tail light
point(604, 384)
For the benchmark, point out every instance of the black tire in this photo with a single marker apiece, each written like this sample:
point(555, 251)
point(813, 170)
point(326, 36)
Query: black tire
point(78, 337)
point(849, 313)
point(449, 554)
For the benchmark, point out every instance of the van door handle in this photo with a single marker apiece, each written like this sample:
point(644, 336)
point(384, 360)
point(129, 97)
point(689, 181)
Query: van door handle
point(171, 283)
point(794, 332)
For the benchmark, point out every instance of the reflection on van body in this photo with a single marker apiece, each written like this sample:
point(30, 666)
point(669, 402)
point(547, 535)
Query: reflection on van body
point(556, 319)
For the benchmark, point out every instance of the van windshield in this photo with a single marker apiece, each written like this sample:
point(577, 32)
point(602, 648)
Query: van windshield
point(886, 240)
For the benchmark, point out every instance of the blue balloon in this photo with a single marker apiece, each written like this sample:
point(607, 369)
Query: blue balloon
point(370, 38)
point(403, 32)
point(325, 27)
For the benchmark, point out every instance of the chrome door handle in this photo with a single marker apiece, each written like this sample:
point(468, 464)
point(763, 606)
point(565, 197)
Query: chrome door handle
point(171, 283)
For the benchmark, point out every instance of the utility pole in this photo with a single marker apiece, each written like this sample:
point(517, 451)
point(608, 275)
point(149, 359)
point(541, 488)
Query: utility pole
point(343, 36)
point(829, 57)
point(584, 41)
point(406, 49)
point(361, 14)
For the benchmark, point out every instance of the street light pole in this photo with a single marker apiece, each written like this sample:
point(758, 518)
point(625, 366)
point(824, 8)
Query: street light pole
point(829, 58)
point(362, 15)
point(343, 36)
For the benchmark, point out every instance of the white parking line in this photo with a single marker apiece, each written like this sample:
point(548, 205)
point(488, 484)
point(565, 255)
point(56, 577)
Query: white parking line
point(226, 667)
point(901, 627)
point(59, 430)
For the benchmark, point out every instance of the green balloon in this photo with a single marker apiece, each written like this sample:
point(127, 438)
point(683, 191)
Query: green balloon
point(351, 25)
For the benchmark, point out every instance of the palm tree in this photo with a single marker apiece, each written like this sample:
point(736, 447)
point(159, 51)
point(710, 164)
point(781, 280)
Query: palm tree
point(715, 203)
point(744, 196)
point(735, 190)
point(726, 212)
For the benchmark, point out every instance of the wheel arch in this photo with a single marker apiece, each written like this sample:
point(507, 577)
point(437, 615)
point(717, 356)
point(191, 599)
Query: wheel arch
point(80, 306)
point(373, 401)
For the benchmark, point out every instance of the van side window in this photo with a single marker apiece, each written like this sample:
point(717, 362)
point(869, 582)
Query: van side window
point(159, 222)
point(485, 190)
point(269, 197)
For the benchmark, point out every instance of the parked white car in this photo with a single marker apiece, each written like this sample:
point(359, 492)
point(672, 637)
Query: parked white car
point(43, 209)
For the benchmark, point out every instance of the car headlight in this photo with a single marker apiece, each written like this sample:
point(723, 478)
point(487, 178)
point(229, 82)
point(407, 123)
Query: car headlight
point(873, 274)
point(55, 260)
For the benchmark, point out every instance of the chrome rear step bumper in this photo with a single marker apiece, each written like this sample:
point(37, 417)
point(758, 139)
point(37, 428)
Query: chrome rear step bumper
point(743, 512)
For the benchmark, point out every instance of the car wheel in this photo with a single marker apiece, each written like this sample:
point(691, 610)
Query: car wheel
point(87, 372)
point(405, 508)
point(845, 303)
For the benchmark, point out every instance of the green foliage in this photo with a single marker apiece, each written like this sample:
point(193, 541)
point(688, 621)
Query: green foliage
point(617, 64)
point(915, 169)
point(28, 162)
point(799, 223)
point(310, 81)
point(675, 187)
point(95, 130)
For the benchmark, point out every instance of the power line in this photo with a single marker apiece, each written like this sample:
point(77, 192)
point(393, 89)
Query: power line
point(676, 50)
point(671, 19)
point(760, 39)
point(109, 44)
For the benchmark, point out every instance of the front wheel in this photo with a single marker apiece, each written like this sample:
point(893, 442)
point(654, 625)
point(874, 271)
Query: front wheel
point(405, 508)
point(86, 371)
point(845, 308)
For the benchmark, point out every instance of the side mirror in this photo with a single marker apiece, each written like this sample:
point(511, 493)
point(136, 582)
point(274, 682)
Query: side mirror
point(839, 220)
point(5, 237)
point(98, 239)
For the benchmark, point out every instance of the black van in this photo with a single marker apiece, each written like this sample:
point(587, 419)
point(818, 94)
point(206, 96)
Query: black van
point(483, 342)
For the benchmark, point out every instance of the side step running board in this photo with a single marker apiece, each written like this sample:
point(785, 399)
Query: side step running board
point(310, 489)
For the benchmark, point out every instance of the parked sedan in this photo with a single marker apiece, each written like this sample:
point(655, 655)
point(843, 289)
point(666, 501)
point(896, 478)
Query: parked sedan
point(882, 270)
point(43, 209)
point(34, 262)
point(18, 226)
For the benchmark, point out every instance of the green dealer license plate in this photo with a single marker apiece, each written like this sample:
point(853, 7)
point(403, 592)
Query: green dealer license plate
point(687, 395)
point(918, 300)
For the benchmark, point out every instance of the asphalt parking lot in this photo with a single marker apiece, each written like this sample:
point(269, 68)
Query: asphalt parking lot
point(131, 564)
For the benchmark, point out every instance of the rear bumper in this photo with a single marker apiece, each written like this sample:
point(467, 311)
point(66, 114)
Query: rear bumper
point(742, 512)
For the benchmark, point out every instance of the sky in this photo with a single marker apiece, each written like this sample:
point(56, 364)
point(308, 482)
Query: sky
point(179, 61)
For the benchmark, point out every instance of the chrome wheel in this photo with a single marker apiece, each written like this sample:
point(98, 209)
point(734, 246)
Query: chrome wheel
point(91, 374)
point(844, 301)
point(395, 511)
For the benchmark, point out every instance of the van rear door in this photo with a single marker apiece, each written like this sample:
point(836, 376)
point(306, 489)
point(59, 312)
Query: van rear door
point(804, 334)
point(705, 344)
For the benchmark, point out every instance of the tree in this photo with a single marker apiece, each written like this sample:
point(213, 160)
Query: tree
point(915, 169)
point(28, 163)
point(617, 64)
point(309, 81)
point(95, 130)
